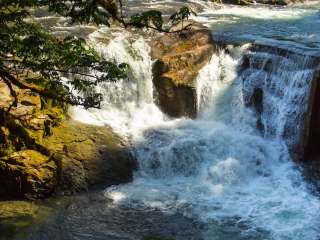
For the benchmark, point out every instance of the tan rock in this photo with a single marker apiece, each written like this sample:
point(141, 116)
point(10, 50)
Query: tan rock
point(180, 57)
point(6, 98)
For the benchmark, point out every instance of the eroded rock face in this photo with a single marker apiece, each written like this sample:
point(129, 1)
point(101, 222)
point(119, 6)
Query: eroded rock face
point(179, 57)
point(42, 152)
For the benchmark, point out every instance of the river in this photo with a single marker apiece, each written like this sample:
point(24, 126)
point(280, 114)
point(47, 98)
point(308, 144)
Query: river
point(216, 177)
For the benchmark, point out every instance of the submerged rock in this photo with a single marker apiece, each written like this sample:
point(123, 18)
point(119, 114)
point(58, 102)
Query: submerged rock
point(16, 217)
point(179, 57)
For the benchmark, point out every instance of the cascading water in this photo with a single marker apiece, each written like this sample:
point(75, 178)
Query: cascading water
point(284, 81)
point(128, 104)
point(218, 168)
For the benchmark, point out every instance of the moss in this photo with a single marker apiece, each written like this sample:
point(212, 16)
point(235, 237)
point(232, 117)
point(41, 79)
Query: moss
point(86, 137)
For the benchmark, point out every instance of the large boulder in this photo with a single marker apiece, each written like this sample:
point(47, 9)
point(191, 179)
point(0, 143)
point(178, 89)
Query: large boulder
point(42, 152)
point(78, 156)
point(179, 57)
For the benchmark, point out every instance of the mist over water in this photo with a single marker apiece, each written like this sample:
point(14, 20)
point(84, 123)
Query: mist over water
point(219, 168)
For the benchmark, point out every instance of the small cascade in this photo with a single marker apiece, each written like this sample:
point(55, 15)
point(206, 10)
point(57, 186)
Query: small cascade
point(125, 48)
point(215, 80)
point(128, 103)
point(277, 84)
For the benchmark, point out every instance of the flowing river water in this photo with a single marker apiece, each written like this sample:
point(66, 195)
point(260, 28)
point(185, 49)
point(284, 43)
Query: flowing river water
point(216, 177)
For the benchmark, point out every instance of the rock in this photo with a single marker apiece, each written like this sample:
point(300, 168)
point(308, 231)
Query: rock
point(44, 153)
point(28, 102)
point(89, 155)
point(167, 9)
point(239, 2)
point(179, 57)
point(277, 2)
point(27, 173)
point(311, 137)
point(255, 100)
point(6, 98)
point(80, 156)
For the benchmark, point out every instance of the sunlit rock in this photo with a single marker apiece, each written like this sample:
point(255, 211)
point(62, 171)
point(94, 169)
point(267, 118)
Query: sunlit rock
point(180, 57)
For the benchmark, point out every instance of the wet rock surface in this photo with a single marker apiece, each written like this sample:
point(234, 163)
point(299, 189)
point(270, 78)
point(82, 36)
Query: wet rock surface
point(27, 173)
point(312, 135)
point(269, 2)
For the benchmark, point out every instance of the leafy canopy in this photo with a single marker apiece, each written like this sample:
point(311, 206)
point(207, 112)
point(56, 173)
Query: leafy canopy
point(31, 58)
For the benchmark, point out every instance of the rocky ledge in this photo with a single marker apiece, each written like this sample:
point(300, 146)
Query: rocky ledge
point(42, 152)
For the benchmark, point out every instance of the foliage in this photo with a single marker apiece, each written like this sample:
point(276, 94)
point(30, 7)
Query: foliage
point(183, 14)
point(31, 58)
point(148, 18)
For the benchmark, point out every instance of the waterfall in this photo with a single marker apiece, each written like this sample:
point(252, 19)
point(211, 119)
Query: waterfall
point(127, 105)
point(218, 168)
point(284, 80)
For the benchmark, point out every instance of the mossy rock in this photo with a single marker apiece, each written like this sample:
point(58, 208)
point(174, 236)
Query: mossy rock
point(74, 157)
point(27, 173)
point(43, 152)
point(89, 155)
